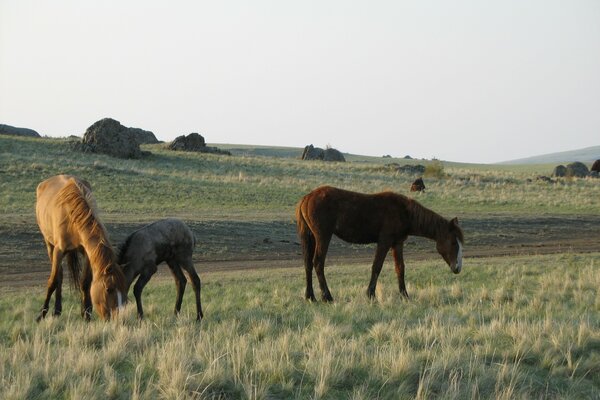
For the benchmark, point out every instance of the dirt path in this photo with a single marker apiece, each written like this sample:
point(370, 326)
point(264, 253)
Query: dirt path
point(233, 245)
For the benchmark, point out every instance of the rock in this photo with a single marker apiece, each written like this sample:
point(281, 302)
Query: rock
point(418, 185)
point(596, 166)
point(316, 153)
point(194, 142)
point(577, 169)
point(559, 171)
point(144, 137)
point(108, 136)
point(594, 174)
point(13, 130)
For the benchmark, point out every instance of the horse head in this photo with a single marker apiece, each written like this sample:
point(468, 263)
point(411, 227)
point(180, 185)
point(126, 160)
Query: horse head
point(450, 246)
point(108, 292)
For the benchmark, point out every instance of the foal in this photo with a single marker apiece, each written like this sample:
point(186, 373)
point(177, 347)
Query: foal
point(168, 240)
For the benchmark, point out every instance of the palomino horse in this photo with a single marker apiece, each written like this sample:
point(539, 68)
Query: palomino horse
point(167, 240)
point(66, 215)
point(384, 218)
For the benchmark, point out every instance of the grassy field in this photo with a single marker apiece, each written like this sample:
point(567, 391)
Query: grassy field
point(507, 327)
point(203, 186)
point(516, 327)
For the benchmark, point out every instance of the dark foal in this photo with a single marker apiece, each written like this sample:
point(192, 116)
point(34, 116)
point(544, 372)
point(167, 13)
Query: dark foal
point(384, 218)
point(168, 240)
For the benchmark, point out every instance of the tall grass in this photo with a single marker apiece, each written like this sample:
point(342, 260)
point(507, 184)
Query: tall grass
point(520, 327)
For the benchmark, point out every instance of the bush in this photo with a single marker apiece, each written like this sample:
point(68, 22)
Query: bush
point(435, 170)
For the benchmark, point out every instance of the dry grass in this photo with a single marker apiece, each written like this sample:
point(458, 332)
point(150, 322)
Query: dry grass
point(525, 327)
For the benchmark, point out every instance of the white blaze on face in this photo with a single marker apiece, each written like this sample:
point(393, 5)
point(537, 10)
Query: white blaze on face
point(459, 256)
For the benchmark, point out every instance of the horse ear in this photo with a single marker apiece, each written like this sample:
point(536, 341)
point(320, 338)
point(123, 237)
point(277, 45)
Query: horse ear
point(454, 221)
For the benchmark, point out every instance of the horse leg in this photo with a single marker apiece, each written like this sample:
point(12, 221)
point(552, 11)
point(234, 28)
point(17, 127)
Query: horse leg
point(308, 251)
point(147, 271)
point(397, 252)
point(195, 279)
point(321, 247)
point(180, 282)
point(86, 283)
point(380, 253)
point(55, 258)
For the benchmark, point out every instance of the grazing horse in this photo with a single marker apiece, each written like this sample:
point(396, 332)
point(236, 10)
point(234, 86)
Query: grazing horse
point(66, 215)
point(168, 240)
point(384, 218)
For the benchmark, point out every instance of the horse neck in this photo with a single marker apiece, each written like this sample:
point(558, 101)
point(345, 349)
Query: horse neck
point(97, 248)
point(427, 223)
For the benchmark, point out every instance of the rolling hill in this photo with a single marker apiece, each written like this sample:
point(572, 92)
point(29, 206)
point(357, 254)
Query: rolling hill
point(588, 154)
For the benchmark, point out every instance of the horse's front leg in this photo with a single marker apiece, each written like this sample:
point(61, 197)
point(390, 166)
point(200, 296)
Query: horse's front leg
point(380, 253)
point(85, 284)
point(54, 281)
point(145, 276)
point(397, 252)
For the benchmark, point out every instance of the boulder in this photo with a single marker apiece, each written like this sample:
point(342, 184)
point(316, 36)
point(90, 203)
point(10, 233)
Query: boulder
point(108, 136)
point(559, 171)
point(13, 130)
point(194, 142)
point(144, 137)
point(577, 169)
point(596, 166)
point(316, 153)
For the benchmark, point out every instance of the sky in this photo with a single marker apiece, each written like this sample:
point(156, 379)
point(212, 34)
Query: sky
point(469, 81)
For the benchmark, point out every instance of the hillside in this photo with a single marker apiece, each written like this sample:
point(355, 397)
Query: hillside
point(586, 155)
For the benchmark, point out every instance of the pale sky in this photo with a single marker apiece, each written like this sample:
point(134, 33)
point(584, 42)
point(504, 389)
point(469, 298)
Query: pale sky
point(471, 81)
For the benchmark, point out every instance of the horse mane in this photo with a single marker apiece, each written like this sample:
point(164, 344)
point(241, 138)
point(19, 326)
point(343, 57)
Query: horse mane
point(123, 247)
point(77, 198)
point(429, 222)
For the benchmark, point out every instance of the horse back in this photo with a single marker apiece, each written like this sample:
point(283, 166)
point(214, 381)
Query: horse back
point(356, 217)
point(52, 214)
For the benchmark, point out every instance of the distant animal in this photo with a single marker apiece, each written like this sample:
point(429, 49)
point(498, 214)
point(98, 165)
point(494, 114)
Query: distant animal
point(66, 215)
point(168, 240)
point(418, 185)
point(384, 218)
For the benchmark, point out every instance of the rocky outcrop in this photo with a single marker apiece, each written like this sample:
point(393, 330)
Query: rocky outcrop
point(316, 153)
point(14, 131)
point(559, 171)
point(408, 169)
point(144, 137)
point(596, 166)
point(194, 142)
point(108, 136)
point(577, 170)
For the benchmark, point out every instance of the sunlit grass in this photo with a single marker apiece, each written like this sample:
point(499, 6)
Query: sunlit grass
point(515, 327)
point(215, 186)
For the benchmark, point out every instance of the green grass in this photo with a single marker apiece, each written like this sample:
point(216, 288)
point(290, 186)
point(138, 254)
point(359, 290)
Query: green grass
point(260, 187)
point(517, 327)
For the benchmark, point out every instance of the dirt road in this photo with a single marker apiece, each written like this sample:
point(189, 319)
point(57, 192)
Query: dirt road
point(234, 245)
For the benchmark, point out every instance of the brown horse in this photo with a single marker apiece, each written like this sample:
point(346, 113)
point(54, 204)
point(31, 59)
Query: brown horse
point(168, 240)
point(66, 216)
point(384, 218)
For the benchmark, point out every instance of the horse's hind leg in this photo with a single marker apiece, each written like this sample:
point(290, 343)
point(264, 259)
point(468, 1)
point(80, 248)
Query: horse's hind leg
point(399, 265)
point(54, 282)
point(308, 251)
point(180, 282)
point(195, 279)
point(380, 253)
point(321, 247)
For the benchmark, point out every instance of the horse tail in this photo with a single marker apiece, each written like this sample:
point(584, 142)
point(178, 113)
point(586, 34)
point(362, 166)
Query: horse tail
point(74, 268)
point(304, 233)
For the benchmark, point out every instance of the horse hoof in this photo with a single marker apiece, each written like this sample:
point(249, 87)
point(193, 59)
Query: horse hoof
point(328, 299)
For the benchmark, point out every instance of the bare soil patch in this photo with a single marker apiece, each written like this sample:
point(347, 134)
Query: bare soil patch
point(239, 245)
